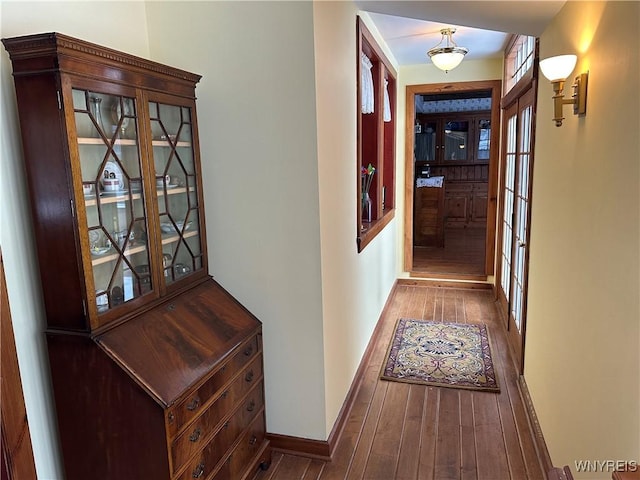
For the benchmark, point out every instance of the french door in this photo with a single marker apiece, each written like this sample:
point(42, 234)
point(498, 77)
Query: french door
point(517, 168)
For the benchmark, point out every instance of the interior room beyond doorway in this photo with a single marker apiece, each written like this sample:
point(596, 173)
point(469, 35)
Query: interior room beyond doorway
point(453, 154)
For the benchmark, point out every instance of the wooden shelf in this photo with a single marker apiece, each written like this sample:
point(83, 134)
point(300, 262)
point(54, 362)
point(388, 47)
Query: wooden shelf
point(165, 143)
point(174, 238)
point(100, 141)
point(174, 191)
point(114, 256)
point(107, 198)
point(166, 240)
point(128, 142)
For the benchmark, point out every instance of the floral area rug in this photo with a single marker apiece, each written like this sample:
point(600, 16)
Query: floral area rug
point(441, 354)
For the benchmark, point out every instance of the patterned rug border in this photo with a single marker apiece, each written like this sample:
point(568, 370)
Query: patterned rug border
point(490, 389)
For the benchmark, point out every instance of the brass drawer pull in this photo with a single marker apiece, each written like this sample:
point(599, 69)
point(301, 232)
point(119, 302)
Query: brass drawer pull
point(198, 471)
point(226, 425)
point(252, 406)
point(249, 376)
point(253, 440)
point(172, 417)
point(193, 404)
point(225, 394)
point(195, 436)
point(249, 351)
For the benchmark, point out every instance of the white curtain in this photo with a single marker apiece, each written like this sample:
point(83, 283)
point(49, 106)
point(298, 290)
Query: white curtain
point(366, 84)
point(387, 103)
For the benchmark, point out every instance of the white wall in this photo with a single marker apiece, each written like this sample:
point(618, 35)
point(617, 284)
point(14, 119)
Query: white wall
point(354, 286)
point(99, 22)
point(277, 123)
point(582, 360)
point(256, 107)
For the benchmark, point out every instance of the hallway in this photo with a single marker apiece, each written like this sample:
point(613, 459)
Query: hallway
point(404, 431)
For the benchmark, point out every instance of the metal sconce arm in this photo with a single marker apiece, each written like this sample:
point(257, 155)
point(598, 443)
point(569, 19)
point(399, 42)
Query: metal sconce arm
point(578, 98)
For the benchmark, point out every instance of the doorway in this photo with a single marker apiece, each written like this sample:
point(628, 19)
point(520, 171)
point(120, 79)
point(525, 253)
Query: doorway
point(451, 159)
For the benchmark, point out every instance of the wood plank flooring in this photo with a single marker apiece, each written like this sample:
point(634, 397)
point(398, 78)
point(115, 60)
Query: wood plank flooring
point(413, 432)
point(463, 253)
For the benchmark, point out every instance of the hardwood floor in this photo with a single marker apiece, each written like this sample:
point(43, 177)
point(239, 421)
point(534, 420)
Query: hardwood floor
point(405, 431)
point(462, 254)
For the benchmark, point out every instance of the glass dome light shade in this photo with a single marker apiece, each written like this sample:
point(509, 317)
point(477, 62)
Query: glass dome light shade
point(558, 68)
point(447, 58)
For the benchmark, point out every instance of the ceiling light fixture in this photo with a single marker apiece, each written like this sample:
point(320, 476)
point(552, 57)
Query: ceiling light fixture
point(447, 55)
point(557, 69)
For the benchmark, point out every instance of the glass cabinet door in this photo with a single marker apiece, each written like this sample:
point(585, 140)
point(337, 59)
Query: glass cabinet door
point(484, 138)
point(177, 189)
point(425, 142)
point(456, 135)
point(110, 166)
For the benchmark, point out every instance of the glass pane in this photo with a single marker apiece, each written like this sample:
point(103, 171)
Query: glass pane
point(112, 183)
point(176, 187)
point(425, 142)
point(509, 194)
point(484, 139)
point(455, 140)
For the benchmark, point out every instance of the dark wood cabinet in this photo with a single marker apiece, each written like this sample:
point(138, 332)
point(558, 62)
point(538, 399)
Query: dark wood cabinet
point(479, 203)
point(457, 146)
point(466, 204)
point(156, 369)
point(429, 211)
point(455, 138)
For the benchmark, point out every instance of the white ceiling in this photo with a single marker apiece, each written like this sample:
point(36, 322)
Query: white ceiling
point(410, 28)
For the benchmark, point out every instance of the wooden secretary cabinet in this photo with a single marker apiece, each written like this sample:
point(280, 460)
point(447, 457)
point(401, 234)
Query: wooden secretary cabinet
point(157, 370)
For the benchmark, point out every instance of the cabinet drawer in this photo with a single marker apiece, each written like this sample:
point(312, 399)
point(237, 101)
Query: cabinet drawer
point(194, 404)
point(236, 463)
point(224, 438)
point(199, 432)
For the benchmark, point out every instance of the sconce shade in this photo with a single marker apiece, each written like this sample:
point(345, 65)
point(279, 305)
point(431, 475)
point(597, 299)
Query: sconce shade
point(558, 68)
point(448, 56)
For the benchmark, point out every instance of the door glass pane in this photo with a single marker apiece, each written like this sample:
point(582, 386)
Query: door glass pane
point(509, 193)
point(106, 126)
point(425, 142)
point(176, 188)
point(484, 139)
point(455, 140)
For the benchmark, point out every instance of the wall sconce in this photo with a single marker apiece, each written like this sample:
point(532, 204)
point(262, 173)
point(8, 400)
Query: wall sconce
point(557, 69)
